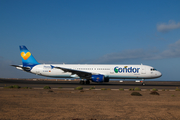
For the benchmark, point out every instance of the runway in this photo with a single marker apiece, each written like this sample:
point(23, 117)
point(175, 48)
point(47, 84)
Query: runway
point(74, 84)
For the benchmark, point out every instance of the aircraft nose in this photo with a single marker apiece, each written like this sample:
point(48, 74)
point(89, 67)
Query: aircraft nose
point(159, 74)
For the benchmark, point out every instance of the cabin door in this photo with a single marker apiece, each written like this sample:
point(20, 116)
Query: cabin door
point(143, 70)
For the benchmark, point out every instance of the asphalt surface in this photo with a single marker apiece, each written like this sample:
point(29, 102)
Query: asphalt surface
point(74, 84)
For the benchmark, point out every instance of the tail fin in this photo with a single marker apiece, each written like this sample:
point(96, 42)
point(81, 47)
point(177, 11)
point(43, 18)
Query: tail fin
point(27, 59)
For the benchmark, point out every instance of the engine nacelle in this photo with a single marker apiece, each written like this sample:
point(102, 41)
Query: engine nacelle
point(99, 78)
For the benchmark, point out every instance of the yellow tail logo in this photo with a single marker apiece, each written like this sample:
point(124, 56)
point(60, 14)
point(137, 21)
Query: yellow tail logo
point(25, 56)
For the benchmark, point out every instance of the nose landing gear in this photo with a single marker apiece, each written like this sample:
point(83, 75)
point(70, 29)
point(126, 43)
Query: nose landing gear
point(142, 81)
point(143, 84)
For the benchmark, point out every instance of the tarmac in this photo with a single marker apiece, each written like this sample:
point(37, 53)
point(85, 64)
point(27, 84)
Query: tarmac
point(61, 83)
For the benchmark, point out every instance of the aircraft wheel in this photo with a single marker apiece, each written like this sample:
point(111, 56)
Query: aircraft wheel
point(82, 82)
point(143, 84)
point(87, 82)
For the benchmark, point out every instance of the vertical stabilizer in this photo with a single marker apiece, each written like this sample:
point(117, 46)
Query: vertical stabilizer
point(27, 59)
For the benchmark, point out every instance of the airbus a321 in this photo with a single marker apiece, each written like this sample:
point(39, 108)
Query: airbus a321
point(86, 72)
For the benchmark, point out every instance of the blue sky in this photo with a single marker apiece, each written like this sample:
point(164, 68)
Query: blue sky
point(91, 31)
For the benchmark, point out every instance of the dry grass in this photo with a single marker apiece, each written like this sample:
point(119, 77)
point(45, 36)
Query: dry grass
point(97, 104)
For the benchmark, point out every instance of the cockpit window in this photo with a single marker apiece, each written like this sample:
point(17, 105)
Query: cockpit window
point(153, 69)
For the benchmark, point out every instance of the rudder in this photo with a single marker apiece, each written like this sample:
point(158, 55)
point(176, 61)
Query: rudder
point(27, 59)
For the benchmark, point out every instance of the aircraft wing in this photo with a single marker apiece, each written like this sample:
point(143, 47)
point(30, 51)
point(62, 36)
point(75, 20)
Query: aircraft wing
point(81, 74)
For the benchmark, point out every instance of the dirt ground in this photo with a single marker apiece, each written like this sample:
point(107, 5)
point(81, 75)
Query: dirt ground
point(33, 104)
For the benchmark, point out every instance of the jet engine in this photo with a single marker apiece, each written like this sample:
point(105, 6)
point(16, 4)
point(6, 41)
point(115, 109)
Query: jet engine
point(99, 78)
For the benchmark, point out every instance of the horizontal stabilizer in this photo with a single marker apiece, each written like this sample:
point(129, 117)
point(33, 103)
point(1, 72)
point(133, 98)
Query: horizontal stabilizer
point(24, 68)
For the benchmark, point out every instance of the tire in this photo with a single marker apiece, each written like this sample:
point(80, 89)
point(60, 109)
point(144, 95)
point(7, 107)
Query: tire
point(82, 82)
point(87, 82)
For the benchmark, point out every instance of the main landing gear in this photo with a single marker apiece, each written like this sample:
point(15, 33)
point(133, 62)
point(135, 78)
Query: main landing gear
point(87, 82)
point(82, 82)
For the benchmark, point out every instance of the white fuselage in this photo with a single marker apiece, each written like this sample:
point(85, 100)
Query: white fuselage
point(110, 71)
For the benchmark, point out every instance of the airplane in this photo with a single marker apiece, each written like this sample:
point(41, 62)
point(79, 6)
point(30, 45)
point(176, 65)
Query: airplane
point(86, 72)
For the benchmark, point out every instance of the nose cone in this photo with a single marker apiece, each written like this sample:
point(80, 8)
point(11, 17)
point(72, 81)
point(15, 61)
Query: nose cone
point(159, 74)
